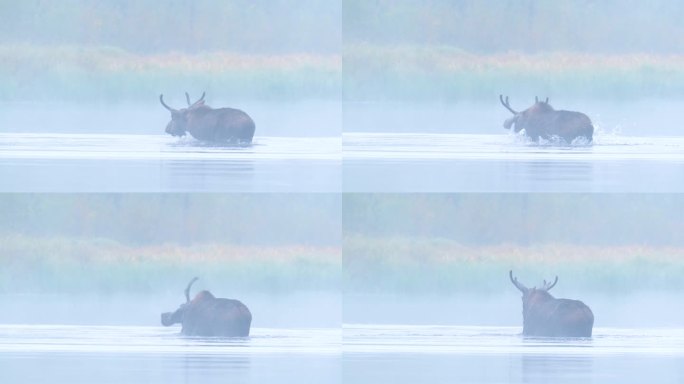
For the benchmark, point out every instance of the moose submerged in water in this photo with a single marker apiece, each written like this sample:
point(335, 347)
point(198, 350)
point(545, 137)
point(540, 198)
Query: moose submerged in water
point(544, 315)
point(206, 315)
point(222, 125)
point(542, 121)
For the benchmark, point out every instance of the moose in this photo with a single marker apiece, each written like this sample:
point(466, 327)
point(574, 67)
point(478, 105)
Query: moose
point(542, 121)
point(206, 315)
point(544, 315)
point(222, 125)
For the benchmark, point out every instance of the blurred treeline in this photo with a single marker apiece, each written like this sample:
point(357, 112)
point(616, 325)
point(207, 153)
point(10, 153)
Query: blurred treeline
point(531, 26)
point(438, 265)
point(109, 243)
point(522, 219)
point(366, 50)
point(131, 51)
point(276, 26)
point(438, 243)
point(186, 219)
point(456, 50)
point(191, 26)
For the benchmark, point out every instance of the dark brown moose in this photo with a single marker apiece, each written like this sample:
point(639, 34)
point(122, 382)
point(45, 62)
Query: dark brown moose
point(544, 315)
point(221, 125)
point(542, 121)
point(206, 315)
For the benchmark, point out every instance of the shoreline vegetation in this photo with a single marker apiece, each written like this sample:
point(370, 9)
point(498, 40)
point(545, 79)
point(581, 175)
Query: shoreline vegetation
point(363, 72)
point(406, 72)
point(102, 73)
point(434, 265)
point(35, 264)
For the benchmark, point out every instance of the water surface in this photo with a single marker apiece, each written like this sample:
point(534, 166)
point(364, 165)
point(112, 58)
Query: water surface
point(457, 354)
point(78, 162)
point(432, 162)
point(127, 354)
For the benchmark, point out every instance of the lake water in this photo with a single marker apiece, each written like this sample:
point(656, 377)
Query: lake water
point(407, 162)
point(364, 162)
point(356, 354)
point(126, 354)
point(452, 354)
point(81, 162)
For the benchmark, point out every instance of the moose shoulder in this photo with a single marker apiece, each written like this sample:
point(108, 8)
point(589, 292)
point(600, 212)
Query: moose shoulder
point(544, 315)
point(542, 121)
point(206, 315)
point(222, 125)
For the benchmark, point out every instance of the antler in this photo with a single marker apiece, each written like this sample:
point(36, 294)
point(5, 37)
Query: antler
point(161, 99)
point(200, 100)
point(515, 282)
point(196, 103)
point(506, 104)
point(546, 286)
point(187, 290)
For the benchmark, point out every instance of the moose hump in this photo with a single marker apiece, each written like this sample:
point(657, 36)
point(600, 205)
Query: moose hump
point(221, 125)
point(541, 120)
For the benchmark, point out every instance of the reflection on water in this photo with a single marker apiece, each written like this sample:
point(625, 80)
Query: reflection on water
point(357, 354)
point(391, 162)
point(408, 354)
point(44, 162)
point(76, 354)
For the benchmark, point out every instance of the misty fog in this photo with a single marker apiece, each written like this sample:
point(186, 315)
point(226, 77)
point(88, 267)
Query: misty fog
point(444, 259)
point(371, 222)
point(84, 67)
point(124, 259)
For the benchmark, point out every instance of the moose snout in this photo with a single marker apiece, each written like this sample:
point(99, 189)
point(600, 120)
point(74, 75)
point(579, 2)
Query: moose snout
point(166, 319)
point(172, 130)
point(509, 122)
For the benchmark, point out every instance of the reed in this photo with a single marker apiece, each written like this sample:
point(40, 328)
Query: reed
point(34, 264)
point(403, 264)
point(444, 72)
point(77, 73)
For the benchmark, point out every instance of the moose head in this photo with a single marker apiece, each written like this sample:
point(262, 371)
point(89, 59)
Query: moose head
point(521, 120)
point(178, 125)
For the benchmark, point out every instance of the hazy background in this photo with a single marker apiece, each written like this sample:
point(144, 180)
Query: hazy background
point(99, 66)
point(439, 66)
point(124, 259)
point(444, 259)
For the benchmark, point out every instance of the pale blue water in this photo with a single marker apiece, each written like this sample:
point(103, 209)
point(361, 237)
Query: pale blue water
point(363, 162)
point(457, 354)
point(76, 162)
point(407, 162)
point(357, 354)
point(126, 354)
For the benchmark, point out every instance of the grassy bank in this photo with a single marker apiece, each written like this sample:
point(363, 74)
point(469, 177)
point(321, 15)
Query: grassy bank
point(73, 265)
point(362, 72)
point(402, 264)
point(76, 73)
point(405, 72)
